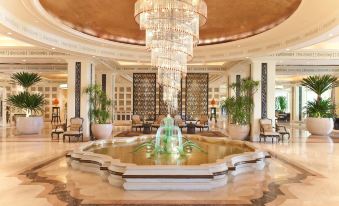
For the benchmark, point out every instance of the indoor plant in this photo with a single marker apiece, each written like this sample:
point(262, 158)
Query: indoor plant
point(240, 108)
point(31, 103)
point(281, 104)
point(99, 112)
point(320, 111)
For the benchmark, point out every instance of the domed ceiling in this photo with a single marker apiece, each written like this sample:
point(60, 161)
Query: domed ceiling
point(228, 20)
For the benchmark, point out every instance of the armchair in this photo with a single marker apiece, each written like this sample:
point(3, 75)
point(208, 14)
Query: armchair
point(75, 129)
point(202, 122)
point(136, 122)
point(282, 131)
point(266, 130)
point(157, 122)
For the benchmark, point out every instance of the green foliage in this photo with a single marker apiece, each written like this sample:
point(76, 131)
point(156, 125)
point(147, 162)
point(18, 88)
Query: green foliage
point(281, 103)
point(31, 103)
point(320, 84)
point(320, 109)
point(240, 108)
point(25, 79)
point(100, 105)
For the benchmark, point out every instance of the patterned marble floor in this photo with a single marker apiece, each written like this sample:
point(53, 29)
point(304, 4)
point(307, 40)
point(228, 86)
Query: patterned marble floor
point(33, 171)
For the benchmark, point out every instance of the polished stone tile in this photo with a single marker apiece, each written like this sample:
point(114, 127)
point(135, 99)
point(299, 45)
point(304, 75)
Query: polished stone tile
point(303, 171)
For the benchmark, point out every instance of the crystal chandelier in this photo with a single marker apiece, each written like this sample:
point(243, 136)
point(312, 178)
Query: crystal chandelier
point(172, 30)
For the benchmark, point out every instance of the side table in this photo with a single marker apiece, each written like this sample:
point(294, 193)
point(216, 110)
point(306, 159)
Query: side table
point(190, 128)
point(147, 128)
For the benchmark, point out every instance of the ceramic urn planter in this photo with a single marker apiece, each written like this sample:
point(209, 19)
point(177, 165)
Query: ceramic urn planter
point(29, 125)
point(238, 132)
point(102, 131)
point(319, 126)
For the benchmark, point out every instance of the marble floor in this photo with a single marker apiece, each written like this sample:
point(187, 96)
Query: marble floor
point(303, 171)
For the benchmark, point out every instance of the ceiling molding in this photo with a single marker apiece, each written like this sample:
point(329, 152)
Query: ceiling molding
point(33, 26)
point(306, 69)
point(30, 53)
point(51, 68)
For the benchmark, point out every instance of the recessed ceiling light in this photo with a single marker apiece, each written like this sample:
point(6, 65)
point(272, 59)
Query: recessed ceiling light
point(330, 35)
point(24, 60)
point(287, 49)
point(93, 56)
point(247, 57)
point(53, 48)
point(9, 33)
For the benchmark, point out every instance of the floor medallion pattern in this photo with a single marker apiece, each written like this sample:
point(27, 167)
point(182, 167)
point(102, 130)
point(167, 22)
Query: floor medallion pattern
point(65, 186)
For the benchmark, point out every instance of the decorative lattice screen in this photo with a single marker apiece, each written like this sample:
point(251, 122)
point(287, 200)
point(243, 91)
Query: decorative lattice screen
point(144, 95)
point(196, 95)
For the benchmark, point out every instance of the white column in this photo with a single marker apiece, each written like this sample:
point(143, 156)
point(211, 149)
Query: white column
point(87, 75)
point(256, 74)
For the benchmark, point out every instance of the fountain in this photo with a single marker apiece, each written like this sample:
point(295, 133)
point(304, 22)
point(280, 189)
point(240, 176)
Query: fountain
point(167, 162)
point(169, 140)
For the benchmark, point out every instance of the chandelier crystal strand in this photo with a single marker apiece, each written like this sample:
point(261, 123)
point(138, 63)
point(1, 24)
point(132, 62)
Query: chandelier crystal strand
point(172, 31)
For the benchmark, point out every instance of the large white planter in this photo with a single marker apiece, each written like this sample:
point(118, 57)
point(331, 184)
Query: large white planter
point(238, 132)
point(29, 125)
point(102, 131)
point(319, 126)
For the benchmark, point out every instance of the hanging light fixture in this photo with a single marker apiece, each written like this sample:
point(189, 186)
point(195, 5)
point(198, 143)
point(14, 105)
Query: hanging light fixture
point(172, 31)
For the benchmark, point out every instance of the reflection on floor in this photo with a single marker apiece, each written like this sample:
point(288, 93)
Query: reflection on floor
point(33, 171)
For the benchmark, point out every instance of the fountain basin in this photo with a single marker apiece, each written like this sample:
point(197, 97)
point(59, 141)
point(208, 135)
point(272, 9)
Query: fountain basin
point(116, 162)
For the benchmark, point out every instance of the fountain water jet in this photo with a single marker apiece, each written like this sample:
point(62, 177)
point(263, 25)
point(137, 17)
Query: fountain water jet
point(169, 140)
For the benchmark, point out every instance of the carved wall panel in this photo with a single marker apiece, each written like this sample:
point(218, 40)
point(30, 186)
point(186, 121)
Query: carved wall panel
point(237, 90)
point(196, 95)
point(144, 95)
point(103, 82)
point(77, 95)
point(264, 90)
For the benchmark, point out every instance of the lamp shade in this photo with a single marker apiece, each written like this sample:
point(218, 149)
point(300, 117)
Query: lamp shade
point(213, 102)
point(55, 101)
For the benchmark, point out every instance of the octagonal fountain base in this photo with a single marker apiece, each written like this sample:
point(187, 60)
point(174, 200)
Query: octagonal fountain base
point(116, 162)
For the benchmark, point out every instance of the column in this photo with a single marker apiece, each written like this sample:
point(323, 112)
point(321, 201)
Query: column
point(264, 99)
point(80, 76)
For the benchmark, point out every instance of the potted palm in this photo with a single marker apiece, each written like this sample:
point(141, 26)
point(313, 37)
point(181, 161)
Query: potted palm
point(320, 112)
point(99, 113)
point(31, 103)
point(281, 104)
point(239, 108)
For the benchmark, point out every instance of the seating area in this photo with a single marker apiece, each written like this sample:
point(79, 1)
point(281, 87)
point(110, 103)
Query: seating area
point(139, 124)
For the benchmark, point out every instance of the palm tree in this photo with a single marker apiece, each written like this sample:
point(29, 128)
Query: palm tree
point(320, 84)
point(25, 79)
point(31, 103)
point(100, 104)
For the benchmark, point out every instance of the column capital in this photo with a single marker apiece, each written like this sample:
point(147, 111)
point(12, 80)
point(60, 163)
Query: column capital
point(82, 60)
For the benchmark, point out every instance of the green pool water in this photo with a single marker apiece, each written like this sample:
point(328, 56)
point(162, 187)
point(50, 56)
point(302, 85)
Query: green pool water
point(214, 151)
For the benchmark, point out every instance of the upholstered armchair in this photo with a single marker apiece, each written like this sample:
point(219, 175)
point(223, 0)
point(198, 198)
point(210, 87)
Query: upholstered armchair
point(136, 122)
point(202, 123)
point(178, 121)
point(267, 130)
point(75, 129)
point(282, 131)
point(157, 122)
